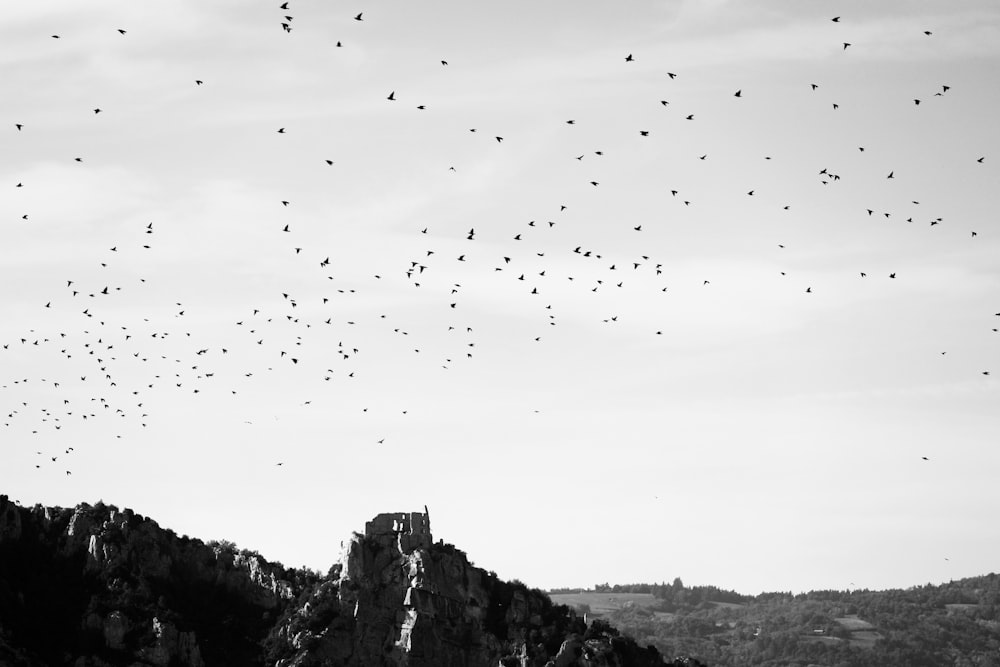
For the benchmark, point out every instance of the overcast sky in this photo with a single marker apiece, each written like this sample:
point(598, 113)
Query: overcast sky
point(731, 349)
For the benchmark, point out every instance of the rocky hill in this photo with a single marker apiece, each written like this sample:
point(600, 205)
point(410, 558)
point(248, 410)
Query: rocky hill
point(94, 586)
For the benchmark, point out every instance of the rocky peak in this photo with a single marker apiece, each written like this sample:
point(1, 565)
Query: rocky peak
point(95, 586)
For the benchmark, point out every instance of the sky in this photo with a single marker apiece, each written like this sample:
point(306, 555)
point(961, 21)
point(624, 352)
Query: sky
point(747, 340)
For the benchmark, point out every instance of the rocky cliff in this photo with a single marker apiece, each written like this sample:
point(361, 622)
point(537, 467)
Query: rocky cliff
point(94, 586)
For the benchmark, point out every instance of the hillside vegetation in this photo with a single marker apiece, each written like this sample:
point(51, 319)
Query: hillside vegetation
point(957, 623)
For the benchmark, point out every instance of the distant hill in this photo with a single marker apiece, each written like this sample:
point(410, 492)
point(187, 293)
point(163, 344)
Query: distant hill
point(95, 586)
point(957, 623)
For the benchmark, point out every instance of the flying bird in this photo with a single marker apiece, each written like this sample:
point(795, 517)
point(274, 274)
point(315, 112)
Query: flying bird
point(358, 17)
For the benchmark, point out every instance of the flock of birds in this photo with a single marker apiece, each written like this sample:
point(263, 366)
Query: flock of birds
point(120, 359)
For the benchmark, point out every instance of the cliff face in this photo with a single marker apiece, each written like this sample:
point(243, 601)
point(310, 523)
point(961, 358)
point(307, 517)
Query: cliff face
point(98, 586)
point(95, 586)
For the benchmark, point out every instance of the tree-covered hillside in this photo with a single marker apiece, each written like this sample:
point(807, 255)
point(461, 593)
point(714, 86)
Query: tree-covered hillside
point(957, 623)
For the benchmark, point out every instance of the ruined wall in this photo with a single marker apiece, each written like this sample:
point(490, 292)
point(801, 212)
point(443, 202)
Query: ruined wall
point(410, 530)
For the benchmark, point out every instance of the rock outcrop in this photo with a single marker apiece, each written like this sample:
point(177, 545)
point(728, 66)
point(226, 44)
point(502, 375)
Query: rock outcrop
point(95, 586)
point(401, 599)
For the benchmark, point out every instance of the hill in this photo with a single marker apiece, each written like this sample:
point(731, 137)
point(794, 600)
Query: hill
point(957, 623)
point(95, 586)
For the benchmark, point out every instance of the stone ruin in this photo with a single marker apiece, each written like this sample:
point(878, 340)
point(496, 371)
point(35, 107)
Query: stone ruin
point(410, 530)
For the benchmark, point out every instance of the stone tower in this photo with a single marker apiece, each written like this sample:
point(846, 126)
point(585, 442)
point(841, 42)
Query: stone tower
point(410, 530)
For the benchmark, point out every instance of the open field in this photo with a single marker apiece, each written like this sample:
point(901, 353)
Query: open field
point(853, 623)
point(863, 633)
point(603, 603)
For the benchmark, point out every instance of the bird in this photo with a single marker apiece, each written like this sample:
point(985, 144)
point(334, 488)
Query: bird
point(499, 139)
point(392, 95)
point(198, 82)
point(836, 19)
point(846, 44)
point(121, 31)
point(629, 58)
point(739, 93)
point(358, 17)
point(671, 75)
